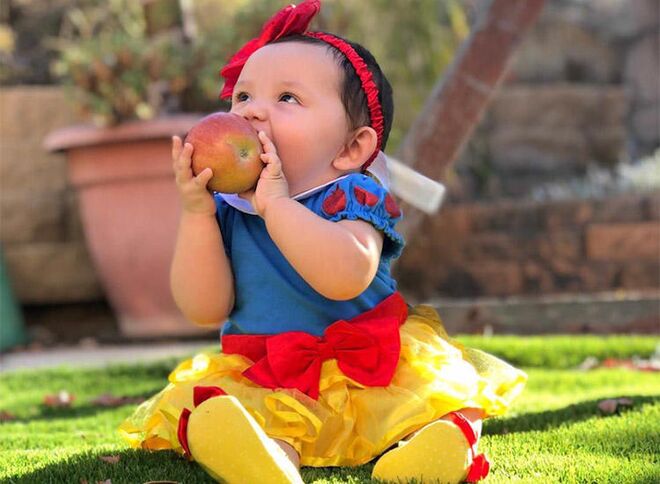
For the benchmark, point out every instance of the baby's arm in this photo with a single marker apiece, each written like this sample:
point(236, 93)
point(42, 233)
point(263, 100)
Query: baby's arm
point(200, 277)
point(338, 259)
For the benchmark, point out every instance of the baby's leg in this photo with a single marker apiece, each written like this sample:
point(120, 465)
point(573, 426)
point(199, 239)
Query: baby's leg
point(474, 415)
point(290, 452)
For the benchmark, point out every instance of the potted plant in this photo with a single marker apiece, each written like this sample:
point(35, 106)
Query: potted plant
point(133, 70)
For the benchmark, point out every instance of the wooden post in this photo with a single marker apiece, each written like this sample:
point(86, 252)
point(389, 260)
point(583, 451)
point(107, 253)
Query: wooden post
point(458, 101)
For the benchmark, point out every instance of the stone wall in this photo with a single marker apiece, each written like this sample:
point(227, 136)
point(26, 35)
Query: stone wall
point(642, 78)
point(529, 248)
point(582, 92)
point(601, 42)
point(547, 133)
point(40, 231)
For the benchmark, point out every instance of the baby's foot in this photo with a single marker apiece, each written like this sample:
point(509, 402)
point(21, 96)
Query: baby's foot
point(443, 451)
point(229, 444)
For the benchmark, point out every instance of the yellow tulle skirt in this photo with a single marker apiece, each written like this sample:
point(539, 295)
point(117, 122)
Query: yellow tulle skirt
point(349, 424)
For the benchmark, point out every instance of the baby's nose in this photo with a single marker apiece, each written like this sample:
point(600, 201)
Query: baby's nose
point(253, 111)
point(257, 117)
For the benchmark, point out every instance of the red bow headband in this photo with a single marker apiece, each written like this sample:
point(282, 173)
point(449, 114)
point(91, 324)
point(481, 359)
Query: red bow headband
point(293, 20)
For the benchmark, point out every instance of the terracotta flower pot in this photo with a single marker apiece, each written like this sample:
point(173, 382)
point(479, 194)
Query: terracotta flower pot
point(130, 209)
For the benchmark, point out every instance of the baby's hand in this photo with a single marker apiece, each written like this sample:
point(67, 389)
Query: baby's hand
point(271, 184)
point(195, 198)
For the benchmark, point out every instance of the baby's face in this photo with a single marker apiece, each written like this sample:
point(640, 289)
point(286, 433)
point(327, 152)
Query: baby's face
point(292, 92)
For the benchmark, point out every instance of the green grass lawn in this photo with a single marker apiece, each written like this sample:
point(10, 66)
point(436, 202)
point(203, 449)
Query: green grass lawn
point(554, 433)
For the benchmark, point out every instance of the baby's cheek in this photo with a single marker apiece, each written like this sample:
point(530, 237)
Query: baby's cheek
point(291, 151)
point(288, 166)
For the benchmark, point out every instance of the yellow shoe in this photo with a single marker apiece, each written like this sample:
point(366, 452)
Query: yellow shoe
point(442, 452)
point(229, 444)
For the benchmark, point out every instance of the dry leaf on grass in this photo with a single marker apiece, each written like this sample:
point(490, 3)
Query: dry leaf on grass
point(6, 416)
point(110, 459)
point(107, 481)
point(640, 364)
point(613, 405)
point(637, 364)
point(618, 363)
point(61, 399)
point(589, 363)
point(161, 482)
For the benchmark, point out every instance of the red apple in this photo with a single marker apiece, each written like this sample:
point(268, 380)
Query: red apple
point(229, 145)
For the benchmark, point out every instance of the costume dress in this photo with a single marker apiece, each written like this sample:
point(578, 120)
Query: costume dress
point(340, 381)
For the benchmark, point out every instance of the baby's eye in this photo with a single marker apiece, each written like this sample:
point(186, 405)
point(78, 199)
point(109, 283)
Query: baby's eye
point(289, 98)
point(241, 96)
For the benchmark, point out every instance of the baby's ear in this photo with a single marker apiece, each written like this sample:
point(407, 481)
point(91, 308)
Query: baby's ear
point(357, 150)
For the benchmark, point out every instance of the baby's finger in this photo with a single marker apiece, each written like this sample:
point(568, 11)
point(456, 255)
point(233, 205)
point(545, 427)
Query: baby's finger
point(176, 147)
point(273, 164)
point(203, 178)
point(183, 164)
point(184, 159)
point(267, 144)
point(187, 150)
point(270, 158)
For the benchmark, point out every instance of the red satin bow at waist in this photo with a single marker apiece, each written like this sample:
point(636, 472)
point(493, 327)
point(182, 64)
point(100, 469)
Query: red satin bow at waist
point(366, 347)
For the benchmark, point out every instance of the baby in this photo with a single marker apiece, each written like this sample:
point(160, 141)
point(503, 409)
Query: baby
point(322, 363)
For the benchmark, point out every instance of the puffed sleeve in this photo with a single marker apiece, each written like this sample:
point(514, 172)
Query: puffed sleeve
point(360, 197)
point(224, 214)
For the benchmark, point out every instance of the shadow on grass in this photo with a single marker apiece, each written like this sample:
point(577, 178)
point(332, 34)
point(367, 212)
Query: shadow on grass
point(78, 411)
point(143, 466)
point(550, 419)
point(133, 467)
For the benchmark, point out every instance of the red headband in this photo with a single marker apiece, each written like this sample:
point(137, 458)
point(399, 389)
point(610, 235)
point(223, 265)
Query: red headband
point(293, 20)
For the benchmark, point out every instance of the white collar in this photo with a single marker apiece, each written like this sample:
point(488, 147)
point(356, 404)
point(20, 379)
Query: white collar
point(378, 168)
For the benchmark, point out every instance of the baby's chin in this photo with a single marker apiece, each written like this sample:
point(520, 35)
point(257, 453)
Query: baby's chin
point(300, 182)
point(296, 187)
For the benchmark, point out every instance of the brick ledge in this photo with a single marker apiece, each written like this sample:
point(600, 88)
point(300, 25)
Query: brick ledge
point(600, 313)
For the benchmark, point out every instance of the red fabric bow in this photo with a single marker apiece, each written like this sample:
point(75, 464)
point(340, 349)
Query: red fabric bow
point(366, 348)
point(479, 469)
point(288, 21)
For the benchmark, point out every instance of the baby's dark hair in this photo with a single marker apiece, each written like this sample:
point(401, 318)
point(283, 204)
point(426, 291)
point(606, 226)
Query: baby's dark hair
point(352, 95)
